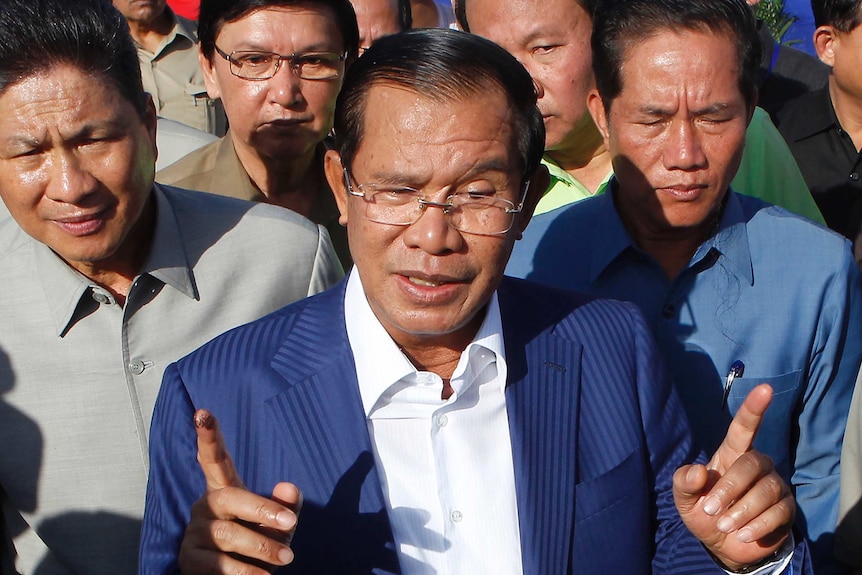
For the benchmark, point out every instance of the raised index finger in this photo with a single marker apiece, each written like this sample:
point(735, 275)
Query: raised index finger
point(213, 456)
point(743, 429)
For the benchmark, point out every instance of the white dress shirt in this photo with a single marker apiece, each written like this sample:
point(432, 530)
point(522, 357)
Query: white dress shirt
point(445, 465)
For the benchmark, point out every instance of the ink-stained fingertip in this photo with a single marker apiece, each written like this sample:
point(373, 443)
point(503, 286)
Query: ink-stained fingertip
point(204, 419)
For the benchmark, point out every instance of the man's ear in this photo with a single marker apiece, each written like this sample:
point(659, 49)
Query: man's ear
point(335, 175)
point(825, 43)
point(537, 186)
point(597, 110)
point(210, 76)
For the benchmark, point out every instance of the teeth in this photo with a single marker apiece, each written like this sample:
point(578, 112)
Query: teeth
point(422, 282)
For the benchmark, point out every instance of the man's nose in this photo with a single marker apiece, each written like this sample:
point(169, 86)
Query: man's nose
point(684, 148)
point(68, 178)
point(286, 86)
point(432, 232)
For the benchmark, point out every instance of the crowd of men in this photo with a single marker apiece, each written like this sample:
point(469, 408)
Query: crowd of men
point(536, 290)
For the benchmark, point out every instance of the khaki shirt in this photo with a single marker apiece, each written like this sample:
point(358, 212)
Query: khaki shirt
point(79, 374)
point(173, 77)
point(216, 169)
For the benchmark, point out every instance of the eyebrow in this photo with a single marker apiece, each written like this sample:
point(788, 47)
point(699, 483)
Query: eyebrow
point(714, 108)
point(21, 140)
point(323, 46)
point(28, 140)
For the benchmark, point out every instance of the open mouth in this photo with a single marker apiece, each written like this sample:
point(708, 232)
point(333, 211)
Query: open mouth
point(424, 282)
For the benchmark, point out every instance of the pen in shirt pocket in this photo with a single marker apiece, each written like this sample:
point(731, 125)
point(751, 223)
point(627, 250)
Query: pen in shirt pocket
point(737, 368)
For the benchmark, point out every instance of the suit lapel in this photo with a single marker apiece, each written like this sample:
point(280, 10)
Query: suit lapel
point(542, 399)
point(344, 523)
point(321, 405)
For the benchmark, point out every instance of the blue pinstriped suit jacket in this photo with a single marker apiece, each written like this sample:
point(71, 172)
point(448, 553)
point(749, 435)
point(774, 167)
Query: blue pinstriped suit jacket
point(596, 435)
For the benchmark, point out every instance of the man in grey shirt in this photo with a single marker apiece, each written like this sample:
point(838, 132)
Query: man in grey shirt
point(107, 278)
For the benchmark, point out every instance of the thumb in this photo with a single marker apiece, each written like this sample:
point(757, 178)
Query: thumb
point(689, 485)
point(213, 456)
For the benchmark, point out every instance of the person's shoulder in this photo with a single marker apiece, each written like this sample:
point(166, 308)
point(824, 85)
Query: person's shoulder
point(201, 215)
point(583, 208)
point(572, 221)
point(11, 234)
point(563, 311)
point(186, 170)
point(776, 230)
point(800, 116)
point(759, 213)
point(176, 140)
point(256, 343)
point(194, 203)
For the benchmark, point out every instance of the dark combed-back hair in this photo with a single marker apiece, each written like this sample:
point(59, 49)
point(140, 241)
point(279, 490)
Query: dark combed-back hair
point(442, 65)
point(216, 13)
point(461, 10)
point(91, 35)
point(843, 15)
point(619, 25)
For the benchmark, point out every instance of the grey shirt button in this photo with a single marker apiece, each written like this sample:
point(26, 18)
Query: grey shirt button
point(102, 297)
point(854, 176)
point(137, 367)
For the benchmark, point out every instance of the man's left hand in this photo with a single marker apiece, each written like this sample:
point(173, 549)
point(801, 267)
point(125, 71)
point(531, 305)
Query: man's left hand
point(737, 505)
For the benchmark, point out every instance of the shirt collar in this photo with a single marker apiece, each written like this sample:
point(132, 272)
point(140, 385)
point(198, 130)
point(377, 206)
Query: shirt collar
point(64, 286)
point(730, 240)
point(380, 364)
point(184, 26)
point(819, 116)
point(167, 260)
point(563, 188)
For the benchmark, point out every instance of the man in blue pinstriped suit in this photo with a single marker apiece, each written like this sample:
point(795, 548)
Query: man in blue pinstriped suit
point(558, 400)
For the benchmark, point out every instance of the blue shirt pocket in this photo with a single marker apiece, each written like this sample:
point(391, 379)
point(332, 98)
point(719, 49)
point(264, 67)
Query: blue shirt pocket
point(777, 429)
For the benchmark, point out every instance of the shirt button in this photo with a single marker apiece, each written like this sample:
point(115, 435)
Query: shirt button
point(102, 298)
point(854, 176)
point(137, 367)
point(442, 420)
point(456, 516)
point(668, 311)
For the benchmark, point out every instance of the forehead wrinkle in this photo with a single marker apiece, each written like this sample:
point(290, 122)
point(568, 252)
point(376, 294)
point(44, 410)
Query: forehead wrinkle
point(415, 121)
point(694, 86)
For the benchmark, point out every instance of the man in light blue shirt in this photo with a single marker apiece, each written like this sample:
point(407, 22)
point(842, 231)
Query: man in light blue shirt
point(720, 277)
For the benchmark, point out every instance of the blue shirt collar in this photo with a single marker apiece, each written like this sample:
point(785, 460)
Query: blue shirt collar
point(730, 241)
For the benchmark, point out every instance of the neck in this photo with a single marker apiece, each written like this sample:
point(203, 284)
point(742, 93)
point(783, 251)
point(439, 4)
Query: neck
point(848, 109)
point(439, 354)
point(671, 252)
point(439, 360)
point(587, 159)
point(150, 34)
point(292, 183)
point(672, 247)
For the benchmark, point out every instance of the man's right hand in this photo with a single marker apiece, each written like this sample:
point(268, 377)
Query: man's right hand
point(231, 529)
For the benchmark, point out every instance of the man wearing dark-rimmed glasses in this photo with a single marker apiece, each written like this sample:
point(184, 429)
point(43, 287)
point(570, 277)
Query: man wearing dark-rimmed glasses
point(277, 66)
